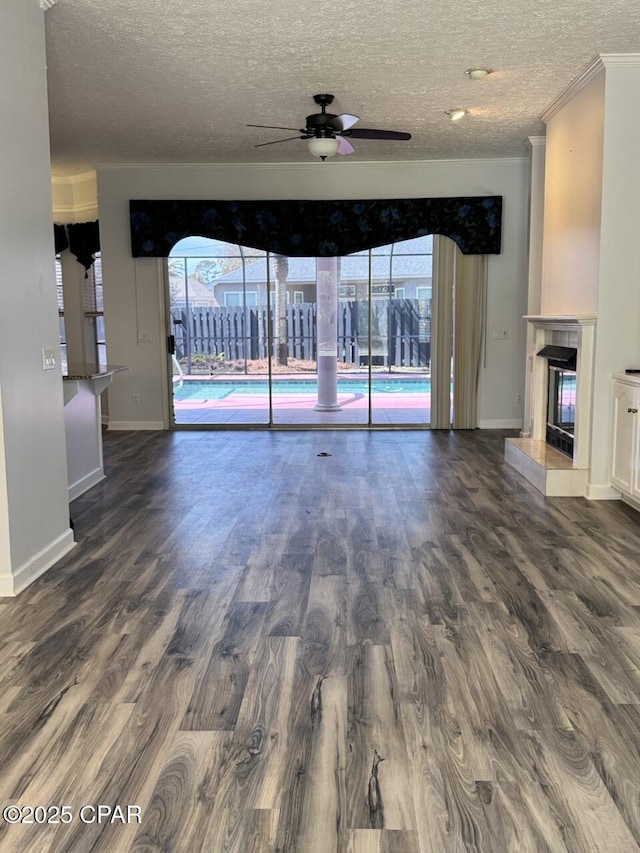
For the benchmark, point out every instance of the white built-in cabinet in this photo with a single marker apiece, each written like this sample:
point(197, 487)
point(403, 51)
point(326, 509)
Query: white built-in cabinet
point(625, 455)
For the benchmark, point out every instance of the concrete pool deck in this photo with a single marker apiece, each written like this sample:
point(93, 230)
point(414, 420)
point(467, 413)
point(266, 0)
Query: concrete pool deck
point(402, 407)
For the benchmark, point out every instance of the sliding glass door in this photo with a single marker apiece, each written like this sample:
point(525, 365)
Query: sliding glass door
point(266, 340)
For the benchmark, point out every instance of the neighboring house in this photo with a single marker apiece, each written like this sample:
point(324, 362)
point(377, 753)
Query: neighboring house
point(405, 277)
point(198, 294)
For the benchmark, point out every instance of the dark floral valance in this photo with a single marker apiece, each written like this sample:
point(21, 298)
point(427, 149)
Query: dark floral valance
point(84, 241)
point(60, 238)
point(81, 238)
point(317, 228)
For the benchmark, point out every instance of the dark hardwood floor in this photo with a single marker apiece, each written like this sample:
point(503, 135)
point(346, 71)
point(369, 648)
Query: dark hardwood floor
point(400, 647)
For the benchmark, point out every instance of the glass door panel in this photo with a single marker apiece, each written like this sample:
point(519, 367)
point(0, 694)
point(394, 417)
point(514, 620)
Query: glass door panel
point(311, 325)
point(401, 333)
point(219, 319)
point(353, 336)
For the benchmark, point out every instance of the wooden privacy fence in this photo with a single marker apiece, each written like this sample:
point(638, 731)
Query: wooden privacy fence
point(400, 332)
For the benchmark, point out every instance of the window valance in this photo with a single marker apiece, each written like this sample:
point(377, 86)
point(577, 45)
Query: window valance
point(310, 228)
point(60, 238)
point(81, 238)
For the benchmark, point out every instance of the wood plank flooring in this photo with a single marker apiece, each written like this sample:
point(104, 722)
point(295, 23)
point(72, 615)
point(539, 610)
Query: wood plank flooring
point(400, 647)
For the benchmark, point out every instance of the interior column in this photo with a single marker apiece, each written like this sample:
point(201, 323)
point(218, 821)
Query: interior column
point(327, 334)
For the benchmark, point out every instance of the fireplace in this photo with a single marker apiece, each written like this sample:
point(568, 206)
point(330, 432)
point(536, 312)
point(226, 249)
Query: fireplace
point(561, 397)
point(560, 380)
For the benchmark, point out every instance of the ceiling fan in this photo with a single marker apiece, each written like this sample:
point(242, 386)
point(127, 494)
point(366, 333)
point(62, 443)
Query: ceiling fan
point(327, 134)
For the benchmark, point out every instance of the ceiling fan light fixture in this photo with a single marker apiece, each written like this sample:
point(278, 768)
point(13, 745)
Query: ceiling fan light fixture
point(477, 73)
point(323, 146)
point(456, 114)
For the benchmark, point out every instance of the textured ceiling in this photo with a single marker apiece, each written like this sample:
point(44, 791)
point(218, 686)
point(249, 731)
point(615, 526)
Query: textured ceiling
point(146, 81)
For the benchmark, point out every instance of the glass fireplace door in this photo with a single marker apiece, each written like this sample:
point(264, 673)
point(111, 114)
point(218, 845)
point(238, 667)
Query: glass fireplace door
point(561, 408)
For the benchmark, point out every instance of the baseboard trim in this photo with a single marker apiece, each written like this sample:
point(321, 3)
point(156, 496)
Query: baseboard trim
point(602, 493)
point(85, 483)
point(632, 502)
point(135, 425)
point(513, 423)
point(13, 583)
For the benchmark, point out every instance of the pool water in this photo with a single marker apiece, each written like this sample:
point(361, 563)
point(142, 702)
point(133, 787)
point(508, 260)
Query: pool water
point(216, 389)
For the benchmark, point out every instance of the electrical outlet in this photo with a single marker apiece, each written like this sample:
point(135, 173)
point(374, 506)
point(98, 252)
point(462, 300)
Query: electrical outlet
point(500, 334)
point(135, 398)
point(518, 397)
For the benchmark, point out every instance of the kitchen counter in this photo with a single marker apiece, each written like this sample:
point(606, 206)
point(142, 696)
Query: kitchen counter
point(82, 386)
point(85, 370)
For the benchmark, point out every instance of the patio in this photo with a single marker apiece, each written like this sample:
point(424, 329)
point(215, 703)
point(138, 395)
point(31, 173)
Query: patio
point(227, 400)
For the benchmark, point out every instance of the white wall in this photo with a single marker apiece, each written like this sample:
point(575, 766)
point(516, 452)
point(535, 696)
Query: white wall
point(572, 204)
point(134, 289)
point(34, 513)
point(591, 252)
point(618, 326)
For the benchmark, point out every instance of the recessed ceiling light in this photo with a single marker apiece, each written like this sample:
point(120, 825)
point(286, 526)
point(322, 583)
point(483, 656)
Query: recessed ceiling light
point(477, 73)
point(456, 114)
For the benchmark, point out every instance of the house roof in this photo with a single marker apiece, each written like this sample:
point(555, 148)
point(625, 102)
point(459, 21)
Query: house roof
point(151, 82)
point(198, 292)
point(352, 268)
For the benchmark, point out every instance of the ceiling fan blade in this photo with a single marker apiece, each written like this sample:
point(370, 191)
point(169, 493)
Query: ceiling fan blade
point(272, 127)
point(276, 141)
point(344, 146)
point(343, 122)
point(364, 133)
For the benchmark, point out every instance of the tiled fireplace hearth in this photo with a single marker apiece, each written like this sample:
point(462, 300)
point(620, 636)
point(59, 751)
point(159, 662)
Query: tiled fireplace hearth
point(552, 472)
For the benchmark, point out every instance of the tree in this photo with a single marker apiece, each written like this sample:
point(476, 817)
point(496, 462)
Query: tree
point(177, 270)
point(207, 271)
point(280, 273)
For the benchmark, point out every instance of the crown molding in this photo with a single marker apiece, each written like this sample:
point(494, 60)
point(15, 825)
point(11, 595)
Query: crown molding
point(569, 93)
point(70, 180)
point(537, 141)
point(613, 59)
point(47, 4)
point(600, 63)
point(71, 216)
point(71, 209)
point(312, 166)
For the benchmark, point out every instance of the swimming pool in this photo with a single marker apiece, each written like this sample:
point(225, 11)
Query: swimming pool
point(215, 389)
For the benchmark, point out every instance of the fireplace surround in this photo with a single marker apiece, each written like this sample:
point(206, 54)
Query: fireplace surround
point(554, 472)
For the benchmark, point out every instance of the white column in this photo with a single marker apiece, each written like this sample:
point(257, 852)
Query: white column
point(327, 334)
point(538, 386)
point(584, 393)
point(534, 294)
point(74, 319)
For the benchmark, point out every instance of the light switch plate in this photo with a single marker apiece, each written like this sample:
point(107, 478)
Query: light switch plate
point(48, 359)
